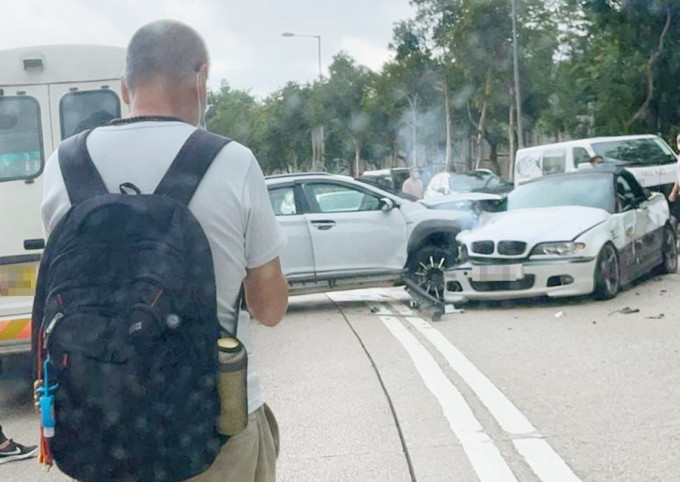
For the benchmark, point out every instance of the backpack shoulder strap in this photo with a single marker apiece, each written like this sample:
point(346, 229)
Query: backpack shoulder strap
point(80, 175)
point(190, 165)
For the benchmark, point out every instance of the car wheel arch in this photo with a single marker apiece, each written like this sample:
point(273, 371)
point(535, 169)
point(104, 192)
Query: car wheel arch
point(433, 235)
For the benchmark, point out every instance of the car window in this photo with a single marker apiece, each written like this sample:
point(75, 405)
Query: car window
point(590, 191)
point(21, 147)
point(80, 111)
point(493, 182)
point(581, 156)
point(468, 181)
point(334, 198)
point(634, 185)
point(283, 201)
point(634, 151)
point(554, 161)
point(624, 194)
point(528, 165)
point(628, 191)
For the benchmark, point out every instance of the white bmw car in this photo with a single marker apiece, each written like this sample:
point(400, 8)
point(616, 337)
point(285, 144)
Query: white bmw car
point(570, 234)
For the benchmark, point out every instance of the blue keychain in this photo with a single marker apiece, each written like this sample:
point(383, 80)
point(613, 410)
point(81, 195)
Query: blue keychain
point(46, 403)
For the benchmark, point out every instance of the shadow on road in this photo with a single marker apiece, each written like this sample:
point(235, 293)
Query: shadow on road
point(16, 381)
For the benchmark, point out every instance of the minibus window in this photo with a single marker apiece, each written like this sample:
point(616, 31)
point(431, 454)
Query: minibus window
point(581, 156)
point(554, 161)
point(79, 111)
point(21, 147)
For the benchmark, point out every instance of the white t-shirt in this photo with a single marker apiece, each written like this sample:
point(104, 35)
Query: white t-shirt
point(231, 204)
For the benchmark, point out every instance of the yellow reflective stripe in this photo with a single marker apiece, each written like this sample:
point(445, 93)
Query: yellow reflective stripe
point(15, 329)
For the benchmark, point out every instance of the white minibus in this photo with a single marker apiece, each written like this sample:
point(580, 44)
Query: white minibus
point(47, 94)
point(647, 157)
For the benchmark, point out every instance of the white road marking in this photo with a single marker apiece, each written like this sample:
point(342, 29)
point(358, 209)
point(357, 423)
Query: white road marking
point(540, 456)
point(369, 294)
point(402, 309)
point(484, 456)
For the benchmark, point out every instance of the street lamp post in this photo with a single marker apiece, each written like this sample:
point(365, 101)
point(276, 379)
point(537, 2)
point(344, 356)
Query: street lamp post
point(318, 40)
point(317, 134)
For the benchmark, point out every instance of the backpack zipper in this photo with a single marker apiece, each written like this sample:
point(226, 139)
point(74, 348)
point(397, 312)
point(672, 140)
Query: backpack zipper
point(50, 327)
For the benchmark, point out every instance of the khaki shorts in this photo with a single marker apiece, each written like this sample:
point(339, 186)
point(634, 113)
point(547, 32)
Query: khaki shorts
point(248, 456)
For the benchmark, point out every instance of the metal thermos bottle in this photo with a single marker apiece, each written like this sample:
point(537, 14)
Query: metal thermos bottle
point(232, 386)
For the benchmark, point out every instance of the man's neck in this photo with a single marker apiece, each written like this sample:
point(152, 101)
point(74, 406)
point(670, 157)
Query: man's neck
point(149, 102)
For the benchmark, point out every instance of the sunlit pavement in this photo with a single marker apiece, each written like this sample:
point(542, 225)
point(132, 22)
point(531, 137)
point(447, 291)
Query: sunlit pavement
point(366, 389)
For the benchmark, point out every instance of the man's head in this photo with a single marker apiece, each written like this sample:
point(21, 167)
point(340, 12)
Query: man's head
point(415, 172)
point(166, 71)
point(596, 160)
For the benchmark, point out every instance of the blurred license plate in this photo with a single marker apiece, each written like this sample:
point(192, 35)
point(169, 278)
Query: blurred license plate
point(506, 272)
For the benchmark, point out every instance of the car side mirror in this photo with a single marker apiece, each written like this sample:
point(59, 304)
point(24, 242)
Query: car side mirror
point(386, 204)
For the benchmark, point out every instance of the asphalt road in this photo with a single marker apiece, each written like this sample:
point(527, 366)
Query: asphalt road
point(366, 389)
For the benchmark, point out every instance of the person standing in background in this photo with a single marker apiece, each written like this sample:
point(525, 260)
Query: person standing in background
point(413, 185)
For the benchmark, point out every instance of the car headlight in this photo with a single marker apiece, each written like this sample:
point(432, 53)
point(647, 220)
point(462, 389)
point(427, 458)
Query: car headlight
point(562, 249)
point(462, 253)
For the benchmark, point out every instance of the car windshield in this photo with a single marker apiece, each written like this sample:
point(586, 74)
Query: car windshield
point(634, 151)
point(468, 181)
point(590, 191)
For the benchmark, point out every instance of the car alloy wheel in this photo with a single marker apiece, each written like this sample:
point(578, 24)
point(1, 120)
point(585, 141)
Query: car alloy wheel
point(669, 252)
point(607, 273)
point(428, 269)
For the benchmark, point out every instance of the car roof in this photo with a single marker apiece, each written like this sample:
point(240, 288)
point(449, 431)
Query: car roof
point(298, 175)
point(284, 178)
point(600, 169)
point(461, 196)
point(587, 140)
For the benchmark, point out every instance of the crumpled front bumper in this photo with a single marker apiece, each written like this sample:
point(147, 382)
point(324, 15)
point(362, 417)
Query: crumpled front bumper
point(553, 278)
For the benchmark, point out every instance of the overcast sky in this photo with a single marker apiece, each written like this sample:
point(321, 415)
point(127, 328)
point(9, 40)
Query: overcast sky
point(243, 36)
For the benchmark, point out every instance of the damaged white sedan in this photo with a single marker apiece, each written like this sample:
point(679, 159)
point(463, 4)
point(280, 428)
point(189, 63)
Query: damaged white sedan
point(590, 231)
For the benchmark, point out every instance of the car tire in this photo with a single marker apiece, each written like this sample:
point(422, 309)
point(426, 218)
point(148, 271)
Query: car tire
point(607, 273)
point(669, 252)
point(427, 269)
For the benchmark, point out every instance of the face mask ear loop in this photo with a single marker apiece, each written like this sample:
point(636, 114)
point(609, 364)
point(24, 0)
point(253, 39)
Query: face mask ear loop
point(199, 121)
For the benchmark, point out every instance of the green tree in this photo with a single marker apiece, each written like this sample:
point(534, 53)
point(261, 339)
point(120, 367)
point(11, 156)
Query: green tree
point(345, 97)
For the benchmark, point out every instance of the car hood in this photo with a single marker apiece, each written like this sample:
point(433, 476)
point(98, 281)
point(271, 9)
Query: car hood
point(537, 225)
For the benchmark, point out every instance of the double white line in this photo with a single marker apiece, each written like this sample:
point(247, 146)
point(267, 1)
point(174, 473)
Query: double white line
point(483, 454)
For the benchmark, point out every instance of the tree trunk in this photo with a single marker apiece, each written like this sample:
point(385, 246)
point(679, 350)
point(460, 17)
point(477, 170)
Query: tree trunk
point(447, 109)
point(480, 135)
point(357, 158)
point(317, 149)
point(481, 126)
point(493, 157)
point(511, 141)
point(413, 102)
point(643, 111)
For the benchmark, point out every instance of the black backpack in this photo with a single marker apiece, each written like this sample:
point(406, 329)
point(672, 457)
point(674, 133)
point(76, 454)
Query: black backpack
point(125, 314)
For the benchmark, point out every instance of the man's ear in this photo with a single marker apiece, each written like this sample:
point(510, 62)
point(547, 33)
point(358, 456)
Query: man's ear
point(125, 92)
point(203, 77)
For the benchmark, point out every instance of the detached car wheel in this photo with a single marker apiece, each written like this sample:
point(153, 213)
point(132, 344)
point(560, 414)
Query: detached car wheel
point(607, 273)
point(669, 252)
point(427, 269)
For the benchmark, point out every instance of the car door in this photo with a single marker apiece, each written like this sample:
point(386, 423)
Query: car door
point(351, 234)
point(627, 219)
point(297, 258)
point(645, 242)
point(649, 223)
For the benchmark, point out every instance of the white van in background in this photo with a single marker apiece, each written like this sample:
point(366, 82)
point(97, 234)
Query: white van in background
point(46, 94)
point(647, 157)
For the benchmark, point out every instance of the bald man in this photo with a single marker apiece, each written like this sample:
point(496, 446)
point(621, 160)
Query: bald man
point(164, 84)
